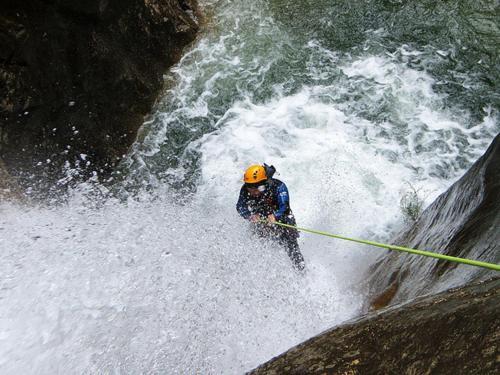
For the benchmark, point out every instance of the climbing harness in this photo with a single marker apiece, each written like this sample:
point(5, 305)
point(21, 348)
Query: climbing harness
point(471, 262)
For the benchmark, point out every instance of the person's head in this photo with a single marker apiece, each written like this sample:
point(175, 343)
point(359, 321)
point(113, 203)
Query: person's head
point(255, 179)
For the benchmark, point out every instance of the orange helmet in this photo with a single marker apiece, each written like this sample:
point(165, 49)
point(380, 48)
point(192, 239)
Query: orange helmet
point(255, 174)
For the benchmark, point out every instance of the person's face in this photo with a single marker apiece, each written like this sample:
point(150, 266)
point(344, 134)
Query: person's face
point(256, 191)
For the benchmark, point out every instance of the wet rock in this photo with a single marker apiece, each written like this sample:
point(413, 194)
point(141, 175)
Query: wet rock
point(9, 189)
point(77, 77)
point(454, 332)
point(463, 222)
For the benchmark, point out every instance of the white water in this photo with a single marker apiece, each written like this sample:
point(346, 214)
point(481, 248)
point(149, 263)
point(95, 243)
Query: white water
point(151, 286)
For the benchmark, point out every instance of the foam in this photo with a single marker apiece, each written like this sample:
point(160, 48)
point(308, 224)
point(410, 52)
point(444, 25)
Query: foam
point(147, 284)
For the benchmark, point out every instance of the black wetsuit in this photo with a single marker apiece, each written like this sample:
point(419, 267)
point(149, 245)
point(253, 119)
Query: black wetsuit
point(274, 200)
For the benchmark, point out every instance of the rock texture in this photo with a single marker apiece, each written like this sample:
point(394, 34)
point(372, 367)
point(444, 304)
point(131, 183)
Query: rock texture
point(455, 332)
point(464, 222)
point(8, 186)
point(78, 76)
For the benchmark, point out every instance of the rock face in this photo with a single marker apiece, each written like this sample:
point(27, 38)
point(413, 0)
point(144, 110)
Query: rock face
point(455, 332)
point(78, 76)
point(8, 187)
point(464, 222)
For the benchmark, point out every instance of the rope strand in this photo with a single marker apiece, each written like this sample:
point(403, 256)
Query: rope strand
point(470, 262)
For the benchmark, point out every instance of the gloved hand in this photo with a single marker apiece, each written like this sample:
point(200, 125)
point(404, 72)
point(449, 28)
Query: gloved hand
point(254, 218)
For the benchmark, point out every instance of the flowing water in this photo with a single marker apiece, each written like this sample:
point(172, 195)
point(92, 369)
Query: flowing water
point(154, 272)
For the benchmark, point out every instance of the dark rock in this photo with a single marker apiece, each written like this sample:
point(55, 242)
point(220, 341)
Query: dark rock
point(455, 332)
point(462, 222)
point(78, 76)
point(9, 190)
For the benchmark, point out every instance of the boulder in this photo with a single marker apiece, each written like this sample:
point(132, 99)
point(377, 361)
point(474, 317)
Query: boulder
point(454, 332)
point(77, 78)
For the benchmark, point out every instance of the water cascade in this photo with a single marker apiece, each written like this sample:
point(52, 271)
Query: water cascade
point(155, 272)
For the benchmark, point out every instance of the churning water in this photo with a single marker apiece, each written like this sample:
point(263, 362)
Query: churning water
point(156, 273)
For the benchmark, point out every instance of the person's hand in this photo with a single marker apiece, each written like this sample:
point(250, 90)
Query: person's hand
point(271, 219)
point(254, 218)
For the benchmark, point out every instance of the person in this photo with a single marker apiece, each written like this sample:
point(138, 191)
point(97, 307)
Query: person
point(264, 200)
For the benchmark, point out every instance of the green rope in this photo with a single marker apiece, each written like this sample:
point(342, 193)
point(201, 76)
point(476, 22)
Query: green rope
point(471, 262)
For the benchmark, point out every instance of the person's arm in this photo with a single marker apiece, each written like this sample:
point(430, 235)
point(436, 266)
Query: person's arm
point(283, 201)
point(242, 206)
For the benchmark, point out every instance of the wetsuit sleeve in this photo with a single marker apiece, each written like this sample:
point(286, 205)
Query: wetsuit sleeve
point(242, 206)
point(283, 201)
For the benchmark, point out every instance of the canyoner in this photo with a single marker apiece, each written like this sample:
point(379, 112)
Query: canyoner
point(265, 200)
